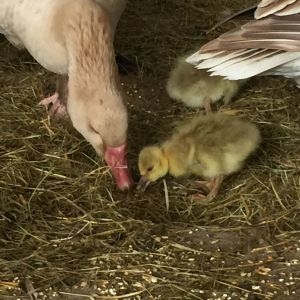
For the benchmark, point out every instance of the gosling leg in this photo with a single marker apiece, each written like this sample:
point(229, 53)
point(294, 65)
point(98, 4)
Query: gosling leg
point(207, 105)
point(211, 186)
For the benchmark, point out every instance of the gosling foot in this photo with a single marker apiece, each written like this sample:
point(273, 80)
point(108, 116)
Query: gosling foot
point(209, 187)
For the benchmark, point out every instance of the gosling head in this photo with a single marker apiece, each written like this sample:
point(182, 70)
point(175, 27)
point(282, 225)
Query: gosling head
point(153, 165)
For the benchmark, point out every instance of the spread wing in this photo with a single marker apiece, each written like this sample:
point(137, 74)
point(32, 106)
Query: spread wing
point(277, 7)
point(268, 42)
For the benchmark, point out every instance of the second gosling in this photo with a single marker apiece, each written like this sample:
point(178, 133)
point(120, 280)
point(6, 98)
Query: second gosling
point(196, 88)
point(210, 146)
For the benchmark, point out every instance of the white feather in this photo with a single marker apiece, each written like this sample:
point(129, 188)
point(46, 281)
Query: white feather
point(290, 10)
point(214, 61)
point(272, 9)
point(289, 70)
point(255, 57)
point(194, 58)
point(264, 3)
point(248, 68)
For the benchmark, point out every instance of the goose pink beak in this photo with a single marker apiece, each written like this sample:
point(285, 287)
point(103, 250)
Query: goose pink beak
point(115, 157)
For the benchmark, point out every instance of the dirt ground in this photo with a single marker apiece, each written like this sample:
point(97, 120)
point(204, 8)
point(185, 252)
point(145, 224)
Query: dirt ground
point(67, 233)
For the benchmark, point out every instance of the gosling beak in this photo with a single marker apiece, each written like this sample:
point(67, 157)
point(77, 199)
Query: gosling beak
point(143, 184)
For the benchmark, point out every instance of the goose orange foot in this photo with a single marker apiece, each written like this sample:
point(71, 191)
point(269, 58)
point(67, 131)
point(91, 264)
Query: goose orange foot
point(54, 106)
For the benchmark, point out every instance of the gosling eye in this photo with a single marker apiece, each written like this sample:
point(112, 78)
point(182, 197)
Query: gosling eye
point(150, 169)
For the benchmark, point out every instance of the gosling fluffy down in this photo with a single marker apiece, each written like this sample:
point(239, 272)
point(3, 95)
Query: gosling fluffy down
point(207, 146)
point(194, 86)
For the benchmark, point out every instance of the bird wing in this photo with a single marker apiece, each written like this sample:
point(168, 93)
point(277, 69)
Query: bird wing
point(263, 9)
point(257, 46)
point(277, 7)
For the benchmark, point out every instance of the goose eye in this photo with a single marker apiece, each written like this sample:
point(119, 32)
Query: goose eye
point(150, 169)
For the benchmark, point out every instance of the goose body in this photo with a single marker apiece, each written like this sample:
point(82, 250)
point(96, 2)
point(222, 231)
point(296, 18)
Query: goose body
point(74, 38)
point(35, 25)
point(29, 24)
point(270, 44)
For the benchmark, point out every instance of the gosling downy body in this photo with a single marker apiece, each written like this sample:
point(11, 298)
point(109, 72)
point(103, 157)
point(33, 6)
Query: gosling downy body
point(196, 88)
point(75, 38)
point(210, 146)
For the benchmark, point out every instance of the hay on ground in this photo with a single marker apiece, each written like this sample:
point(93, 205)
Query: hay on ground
point(67, 233)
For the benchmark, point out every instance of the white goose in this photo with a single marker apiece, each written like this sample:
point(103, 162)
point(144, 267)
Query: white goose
point(74, 38)
point(268, 45)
